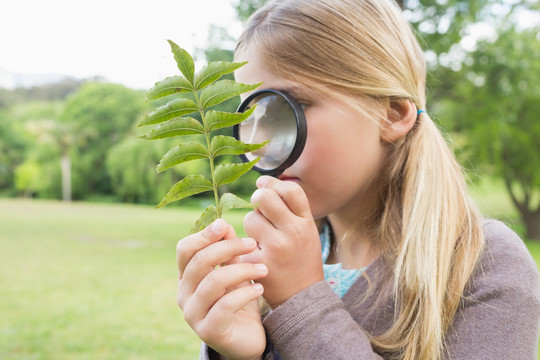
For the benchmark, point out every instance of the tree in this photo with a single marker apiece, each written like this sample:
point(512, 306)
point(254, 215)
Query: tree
point(50, 130)
point(35, 111)
point(244, 8)
point(29, 178)
point(12, 148)
point(22, 128)
point(131, 167)
point(497, 106)
point(490, 88)
point(99, 116)
point(50, 92)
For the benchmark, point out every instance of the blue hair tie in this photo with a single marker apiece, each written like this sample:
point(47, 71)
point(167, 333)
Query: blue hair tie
point(420, 111)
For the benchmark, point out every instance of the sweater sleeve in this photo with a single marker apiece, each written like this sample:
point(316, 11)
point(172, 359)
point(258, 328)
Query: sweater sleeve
point(314, 324)
point(204, 353)
point(207, 353)
point(499, 316)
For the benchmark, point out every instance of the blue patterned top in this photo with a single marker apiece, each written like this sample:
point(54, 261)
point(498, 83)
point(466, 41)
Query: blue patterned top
point(340, 279)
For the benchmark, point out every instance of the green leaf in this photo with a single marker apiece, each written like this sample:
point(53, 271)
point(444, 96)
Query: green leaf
point(190, 185)
point(209, 214)
point(169, 86)
point(174, 108)
point(222, 90)
point(186, 151)
point(184, 61)
point(219, 119)
point(227, 173)
point(213, 71)
point(230, 201)
point(175, 127)
point(227, 145)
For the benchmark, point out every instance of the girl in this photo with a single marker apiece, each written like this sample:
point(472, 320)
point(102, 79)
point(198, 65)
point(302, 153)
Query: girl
point(409, 269)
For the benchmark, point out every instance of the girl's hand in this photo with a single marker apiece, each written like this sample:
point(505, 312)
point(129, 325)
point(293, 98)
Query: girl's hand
point(288, 239)
point(216, 294)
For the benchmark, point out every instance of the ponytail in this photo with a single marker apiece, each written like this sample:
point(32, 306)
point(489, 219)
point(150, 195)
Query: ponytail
point(440, 241)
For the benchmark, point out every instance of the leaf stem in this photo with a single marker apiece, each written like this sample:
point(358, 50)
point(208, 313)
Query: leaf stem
point(210, 154)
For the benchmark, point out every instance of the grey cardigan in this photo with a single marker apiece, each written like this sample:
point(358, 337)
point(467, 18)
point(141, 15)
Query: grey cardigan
point(498, 317)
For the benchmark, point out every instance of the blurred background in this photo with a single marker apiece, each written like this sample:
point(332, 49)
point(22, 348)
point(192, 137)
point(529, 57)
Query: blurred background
point(87, 265)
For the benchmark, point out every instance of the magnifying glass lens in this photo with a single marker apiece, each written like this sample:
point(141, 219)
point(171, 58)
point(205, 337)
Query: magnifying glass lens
point(279, 119)
point(273, 119)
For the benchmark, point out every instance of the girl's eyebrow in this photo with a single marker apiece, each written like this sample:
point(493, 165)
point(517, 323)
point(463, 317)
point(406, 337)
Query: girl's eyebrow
point(293, 90)
point(304, 94)
point(296, 91)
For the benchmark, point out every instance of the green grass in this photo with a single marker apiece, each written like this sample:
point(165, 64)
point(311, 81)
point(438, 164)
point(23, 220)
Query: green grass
point(92, 281)
point(98, 281)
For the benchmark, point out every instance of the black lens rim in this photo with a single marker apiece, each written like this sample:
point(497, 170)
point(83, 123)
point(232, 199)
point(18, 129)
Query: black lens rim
point(301, 130)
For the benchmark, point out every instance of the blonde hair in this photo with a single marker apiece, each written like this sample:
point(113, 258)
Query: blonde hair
point(426, 228)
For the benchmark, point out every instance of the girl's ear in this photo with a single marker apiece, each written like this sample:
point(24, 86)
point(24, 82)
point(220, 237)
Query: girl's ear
point(401, 117)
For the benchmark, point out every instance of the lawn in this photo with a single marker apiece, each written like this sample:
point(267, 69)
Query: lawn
point(91, 281)
point(96, 281)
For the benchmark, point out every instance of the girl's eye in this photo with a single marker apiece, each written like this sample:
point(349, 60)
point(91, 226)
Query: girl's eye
point(304, 104)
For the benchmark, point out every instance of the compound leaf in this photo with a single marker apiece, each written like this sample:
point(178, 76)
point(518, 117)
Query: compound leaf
point(186, 151)
point(169, 86)
point(230, 201)
point(223, 90)
point(173, 120)
point(220, 119)
point(227, 173)
point(209, 214)
point(227, 145)
point(175, 127)
point(190, 185)
point(213, 71)
point(184, 61)
point(174, 108)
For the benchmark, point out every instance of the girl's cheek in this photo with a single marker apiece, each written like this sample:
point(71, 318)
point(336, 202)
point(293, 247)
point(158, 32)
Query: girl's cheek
point(306, 158)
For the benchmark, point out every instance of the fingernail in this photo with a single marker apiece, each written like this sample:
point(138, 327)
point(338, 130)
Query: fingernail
point(261, 268)
point(217, 226)
point(255, 197)
point(248, 242)
point(262, 181)
point(258, 288)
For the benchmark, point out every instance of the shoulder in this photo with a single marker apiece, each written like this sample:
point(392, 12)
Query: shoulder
point(506, 276)
point(506, 260)
point(499, 313)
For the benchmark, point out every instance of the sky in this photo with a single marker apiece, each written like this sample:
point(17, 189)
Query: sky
point(123, 41)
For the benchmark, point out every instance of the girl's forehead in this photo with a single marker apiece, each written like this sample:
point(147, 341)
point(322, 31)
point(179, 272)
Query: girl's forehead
point(257, 70)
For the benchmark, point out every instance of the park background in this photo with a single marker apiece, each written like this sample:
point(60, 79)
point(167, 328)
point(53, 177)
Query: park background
point(87, 264)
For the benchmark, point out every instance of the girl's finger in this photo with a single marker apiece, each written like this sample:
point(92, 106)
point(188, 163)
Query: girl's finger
point(271, 206)
point(219, 282)
point(205, 261)
point(224, 310)
point(256, 224)
point(292, 194)
point(190, 245)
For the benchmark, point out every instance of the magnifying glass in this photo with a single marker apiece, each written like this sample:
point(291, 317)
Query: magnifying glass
point(279, 118)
